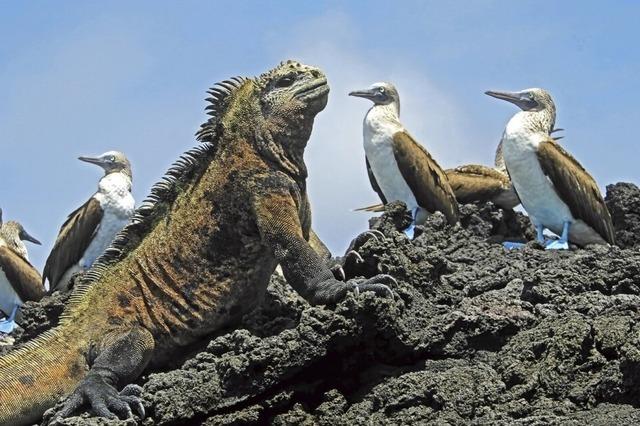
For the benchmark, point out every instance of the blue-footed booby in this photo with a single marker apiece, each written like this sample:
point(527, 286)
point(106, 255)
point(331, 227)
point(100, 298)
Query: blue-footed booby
point(555, 190)
point(90, 229)
point(399, 167)
point(19, 280)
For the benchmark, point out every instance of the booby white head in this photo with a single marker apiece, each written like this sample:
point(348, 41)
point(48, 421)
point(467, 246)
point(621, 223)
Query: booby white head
point(400, 168)
point(538, 109)
point(19, 280)
point(90, 229)
point(110, 162)
point(12, 235)
point(555, 190)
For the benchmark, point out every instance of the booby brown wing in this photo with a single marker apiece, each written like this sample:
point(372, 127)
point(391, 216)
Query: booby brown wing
point(427, 180)
point(576, 188)
point(73, 239)
point(24, 278)
point(374, 182)
point(473, 182)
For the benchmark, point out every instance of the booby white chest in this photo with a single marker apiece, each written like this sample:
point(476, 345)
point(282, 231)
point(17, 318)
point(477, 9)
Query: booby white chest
point(535, 189)
point(117, 203)
point(380, 125)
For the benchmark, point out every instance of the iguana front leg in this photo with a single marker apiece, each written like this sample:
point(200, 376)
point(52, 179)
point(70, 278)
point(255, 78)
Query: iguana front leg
point(280, 227)
point(120, 359)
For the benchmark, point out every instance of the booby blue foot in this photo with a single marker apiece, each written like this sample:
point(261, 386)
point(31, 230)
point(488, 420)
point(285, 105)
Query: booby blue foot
point(410, 231)
point(511, 245)
point(7, 325)
point(557, 245)
point(563, 242)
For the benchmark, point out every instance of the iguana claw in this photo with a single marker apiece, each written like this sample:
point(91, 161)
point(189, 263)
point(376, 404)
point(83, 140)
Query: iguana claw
point(338, 272)
point(377, 235)
point(376, 284)
point(353, 253)
point(103, 398)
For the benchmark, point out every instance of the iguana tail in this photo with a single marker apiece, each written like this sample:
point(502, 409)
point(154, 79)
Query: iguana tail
point(34, 377)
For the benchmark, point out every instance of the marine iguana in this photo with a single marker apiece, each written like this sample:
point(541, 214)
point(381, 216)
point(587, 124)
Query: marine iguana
point(197, 254)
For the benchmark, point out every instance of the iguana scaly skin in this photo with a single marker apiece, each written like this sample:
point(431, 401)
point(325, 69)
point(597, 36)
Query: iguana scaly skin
point(196, 256)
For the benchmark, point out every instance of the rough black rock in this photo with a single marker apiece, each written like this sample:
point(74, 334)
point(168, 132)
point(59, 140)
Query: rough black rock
point(623, 201)
point(476, 335)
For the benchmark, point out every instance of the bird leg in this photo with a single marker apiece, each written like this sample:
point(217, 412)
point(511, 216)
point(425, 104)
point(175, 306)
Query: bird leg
point(540, 234)
point(7, 325)
point(563, 242)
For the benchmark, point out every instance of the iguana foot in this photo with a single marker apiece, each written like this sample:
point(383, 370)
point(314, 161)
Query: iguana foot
point(104, 399)
point(377, 284)
point(359, 241)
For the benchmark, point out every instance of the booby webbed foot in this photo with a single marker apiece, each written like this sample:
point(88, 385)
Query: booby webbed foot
point(104, 400)
point(557, 245)
point(411, 229)
point(7, 325)
point(379, 284)
point(512, 245)
point(563, 242)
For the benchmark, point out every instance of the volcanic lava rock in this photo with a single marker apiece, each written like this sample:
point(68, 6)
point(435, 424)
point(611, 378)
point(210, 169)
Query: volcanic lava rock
point(623, 201)
point(475, 335)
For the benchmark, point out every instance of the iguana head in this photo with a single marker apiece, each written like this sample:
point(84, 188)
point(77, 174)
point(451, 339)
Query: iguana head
point(292, 92)
point(276, 110)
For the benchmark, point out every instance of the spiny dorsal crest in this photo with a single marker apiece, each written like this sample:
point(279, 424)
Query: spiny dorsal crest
point(190, 165)
point(166, 190)
point(218, 102)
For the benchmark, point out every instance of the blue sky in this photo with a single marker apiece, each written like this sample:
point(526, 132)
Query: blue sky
point(84, 77)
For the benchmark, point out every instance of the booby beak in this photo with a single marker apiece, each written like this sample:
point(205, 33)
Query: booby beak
point(513, 97)
point(92, 160)
point(367, 94)
point(26, 237)
point(521, 99)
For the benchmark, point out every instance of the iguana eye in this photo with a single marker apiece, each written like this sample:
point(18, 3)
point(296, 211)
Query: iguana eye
point(284, 82)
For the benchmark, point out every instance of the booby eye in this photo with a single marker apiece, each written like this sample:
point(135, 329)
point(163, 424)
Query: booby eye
point(111, 158)
point(381, 90)
point(284, 82)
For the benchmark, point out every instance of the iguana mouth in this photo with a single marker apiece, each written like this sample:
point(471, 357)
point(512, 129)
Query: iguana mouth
point(313, 90)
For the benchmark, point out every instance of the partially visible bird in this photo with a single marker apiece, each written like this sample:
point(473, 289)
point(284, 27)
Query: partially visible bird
point(555, 190)
point(474, 182)
point(399, 167)
point(90, 229)
point(19, 280)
